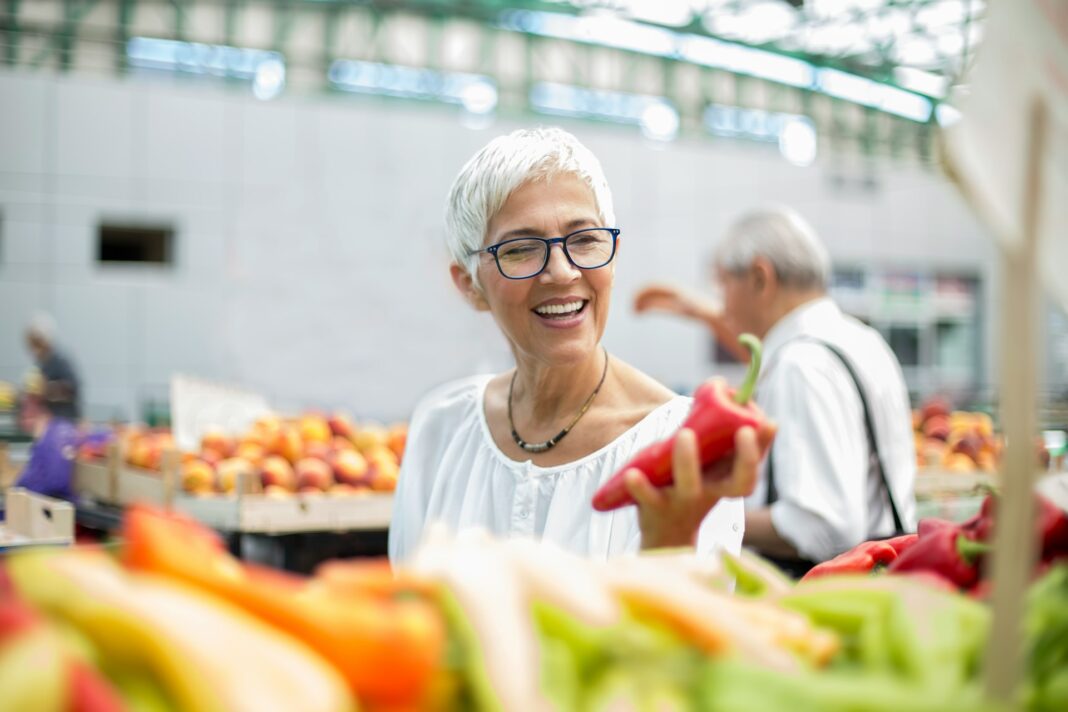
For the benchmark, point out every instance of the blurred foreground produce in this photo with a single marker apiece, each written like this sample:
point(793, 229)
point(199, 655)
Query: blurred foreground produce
point(474, 623)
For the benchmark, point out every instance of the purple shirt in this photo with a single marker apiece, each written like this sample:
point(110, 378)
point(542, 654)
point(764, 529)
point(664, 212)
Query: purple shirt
point(51, 463)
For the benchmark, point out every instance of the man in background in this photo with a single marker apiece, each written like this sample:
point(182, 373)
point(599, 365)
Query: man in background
point(843, 466)
point(61, 389)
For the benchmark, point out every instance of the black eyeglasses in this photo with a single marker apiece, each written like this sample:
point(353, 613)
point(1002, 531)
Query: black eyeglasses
point(526, 257)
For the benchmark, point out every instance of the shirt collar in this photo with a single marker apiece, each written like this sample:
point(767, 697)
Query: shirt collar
point(802, 319)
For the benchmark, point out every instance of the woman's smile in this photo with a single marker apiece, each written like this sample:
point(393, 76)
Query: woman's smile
point(563, 313)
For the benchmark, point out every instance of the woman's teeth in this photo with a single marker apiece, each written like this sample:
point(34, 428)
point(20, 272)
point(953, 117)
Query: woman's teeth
point(560, 309)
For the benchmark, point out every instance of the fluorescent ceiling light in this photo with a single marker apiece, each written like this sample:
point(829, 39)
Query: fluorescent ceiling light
point(475, 92)
point(798, 142)
point(660, 121)
point(198, 58)
point(270, 79)
point(920, 81)
point(866, 92)
point(654, 114)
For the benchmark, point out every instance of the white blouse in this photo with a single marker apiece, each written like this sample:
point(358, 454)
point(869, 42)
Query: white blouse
point(454, 473)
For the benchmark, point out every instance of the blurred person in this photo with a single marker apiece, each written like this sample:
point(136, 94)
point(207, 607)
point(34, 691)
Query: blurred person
point(531, 230)
point(825, 376)
point(62, 389)
point(49, 469)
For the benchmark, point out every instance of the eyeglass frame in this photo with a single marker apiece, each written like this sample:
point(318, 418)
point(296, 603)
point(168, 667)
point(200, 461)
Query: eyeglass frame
point(549, 242)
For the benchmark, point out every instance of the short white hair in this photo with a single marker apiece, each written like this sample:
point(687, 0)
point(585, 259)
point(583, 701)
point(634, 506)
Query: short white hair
point(782, 237)
point(43, 326)
point(505, 164)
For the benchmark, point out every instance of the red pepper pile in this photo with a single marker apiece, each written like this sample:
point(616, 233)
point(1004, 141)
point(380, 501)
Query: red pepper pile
point(953, 552)
point(716, 415)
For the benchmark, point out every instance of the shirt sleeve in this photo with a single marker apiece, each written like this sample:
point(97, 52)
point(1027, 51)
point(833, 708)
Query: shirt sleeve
point(820, 455)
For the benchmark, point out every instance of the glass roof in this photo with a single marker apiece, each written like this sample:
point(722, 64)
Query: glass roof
point(920, 45)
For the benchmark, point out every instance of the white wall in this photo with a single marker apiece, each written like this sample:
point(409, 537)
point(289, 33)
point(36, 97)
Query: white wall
point(310, 264)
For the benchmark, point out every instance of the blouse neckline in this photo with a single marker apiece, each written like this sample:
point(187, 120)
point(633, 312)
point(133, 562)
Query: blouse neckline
point(536, 470)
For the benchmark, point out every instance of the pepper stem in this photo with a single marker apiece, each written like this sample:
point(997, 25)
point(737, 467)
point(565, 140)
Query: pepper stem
point(969, 549)
point(745, 391)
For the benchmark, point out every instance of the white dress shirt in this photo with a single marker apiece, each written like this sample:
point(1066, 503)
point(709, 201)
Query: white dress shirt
point(830, 496)
point(453, 472)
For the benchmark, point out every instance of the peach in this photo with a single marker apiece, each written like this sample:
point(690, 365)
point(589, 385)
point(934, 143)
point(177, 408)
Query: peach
point(230, 471)
point(958, 462)
point(340, 443)
point(314, 429)
point(198, 477)
point(313, 473)
point(318, 449)
point(288, 444)
point(398, 437)
point(252, 451)
point(350, 467)
point(276, 491)
point(371, 436)
point(277, 472)
point(212, 456)
point(382, 456)
point(384, 479)
point(218, 441)
point(341, 426)
point(145, 452)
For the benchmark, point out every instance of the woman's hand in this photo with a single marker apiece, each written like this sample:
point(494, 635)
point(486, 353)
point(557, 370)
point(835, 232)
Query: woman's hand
point(671, 516)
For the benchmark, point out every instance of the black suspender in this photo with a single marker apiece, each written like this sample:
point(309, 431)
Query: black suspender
point(873, 444)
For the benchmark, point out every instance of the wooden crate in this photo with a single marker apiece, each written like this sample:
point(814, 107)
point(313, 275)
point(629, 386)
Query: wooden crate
point(245, 511)
point(35, 520)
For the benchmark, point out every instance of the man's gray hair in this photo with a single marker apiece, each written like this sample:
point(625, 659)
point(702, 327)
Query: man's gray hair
point(782, 237)
point(43, 326)
point(503, 165)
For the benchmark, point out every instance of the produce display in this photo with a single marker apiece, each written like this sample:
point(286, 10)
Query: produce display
point(953, 440)
point(312, 453)
point(174, 622)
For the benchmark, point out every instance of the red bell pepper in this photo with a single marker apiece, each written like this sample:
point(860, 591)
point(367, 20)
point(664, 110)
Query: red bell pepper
point(716, 415)
point(930, 525)
point(1051, 523)
point(860, 559)
point(946, 551)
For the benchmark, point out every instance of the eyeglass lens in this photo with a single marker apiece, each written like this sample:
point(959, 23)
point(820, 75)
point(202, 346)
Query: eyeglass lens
point(588, 249)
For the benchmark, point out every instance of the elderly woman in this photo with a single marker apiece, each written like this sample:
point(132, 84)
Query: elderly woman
point(532, 232)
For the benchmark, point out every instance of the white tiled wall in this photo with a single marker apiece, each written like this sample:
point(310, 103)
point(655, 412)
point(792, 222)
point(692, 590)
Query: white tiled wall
point(309, 256)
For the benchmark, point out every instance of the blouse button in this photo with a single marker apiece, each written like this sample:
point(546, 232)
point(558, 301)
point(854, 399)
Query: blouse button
point(524, 513)
point(736, 526)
